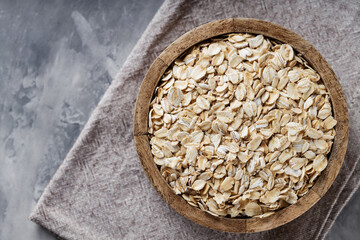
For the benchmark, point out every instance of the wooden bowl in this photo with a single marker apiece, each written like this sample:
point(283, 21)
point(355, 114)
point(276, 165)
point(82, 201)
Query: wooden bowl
point(270, 30)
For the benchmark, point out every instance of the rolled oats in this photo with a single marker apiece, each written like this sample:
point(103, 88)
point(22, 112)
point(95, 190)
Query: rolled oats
point(241, 126)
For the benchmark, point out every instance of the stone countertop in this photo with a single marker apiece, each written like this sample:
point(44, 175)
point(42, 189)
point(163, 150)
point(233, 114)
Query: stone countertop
point(57, 58)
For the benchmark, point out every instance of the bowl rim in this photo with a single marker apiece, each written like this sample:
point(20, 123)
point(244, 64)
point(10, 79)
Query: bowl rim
point(270, 30)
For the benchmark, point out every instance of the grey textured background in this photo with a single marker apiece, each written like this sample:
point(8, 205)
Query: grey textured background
point(56, 60)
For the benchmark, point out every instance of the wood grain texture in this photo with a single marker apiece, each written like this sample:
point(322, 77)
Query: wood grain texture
point(146, 92)
point(270, 30)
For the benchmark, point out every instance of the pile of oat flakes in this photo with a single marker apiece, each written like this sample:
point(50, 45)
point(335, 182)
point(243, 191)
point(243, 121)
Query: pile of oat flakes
point(241, 126)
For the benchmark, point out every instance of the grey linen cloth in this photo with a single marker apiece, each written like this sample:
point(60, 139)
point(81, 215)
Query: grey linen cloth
point(101, 192)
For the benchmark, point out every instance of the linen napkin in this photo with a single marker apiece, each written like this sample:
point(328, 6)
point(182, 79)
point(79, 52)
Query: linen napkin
point(101, 192)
